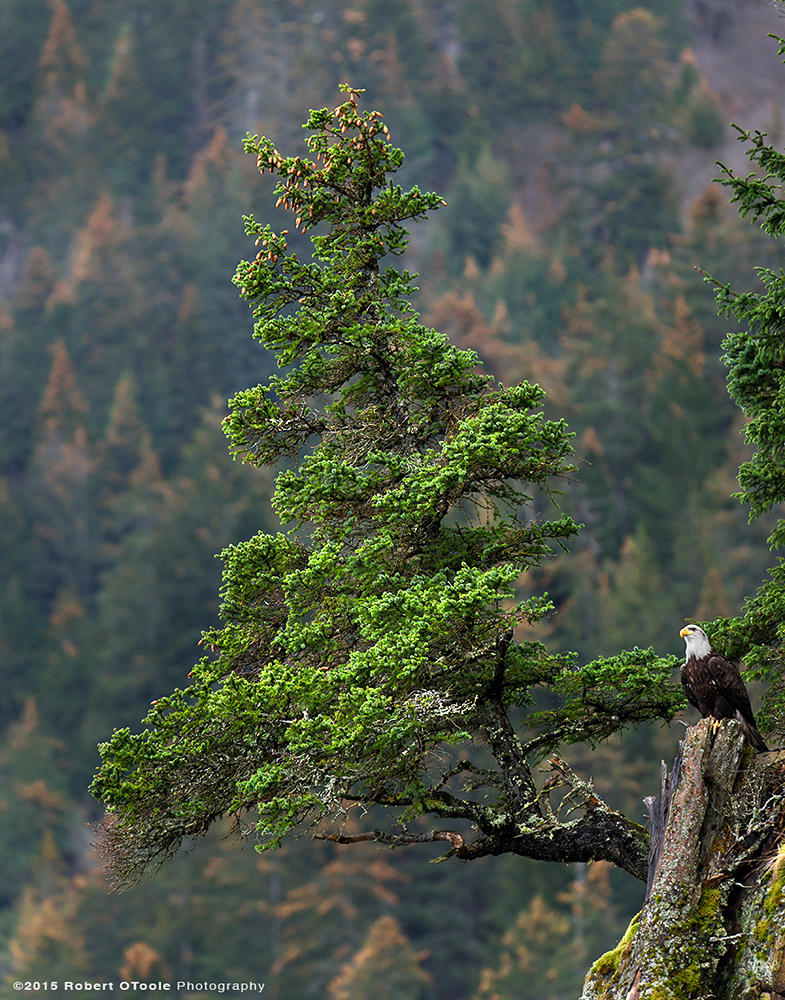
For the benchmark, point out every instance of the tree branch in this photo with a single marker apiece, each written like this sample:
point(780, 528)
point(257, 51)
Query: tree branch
point(519, 784)
point(398, 839)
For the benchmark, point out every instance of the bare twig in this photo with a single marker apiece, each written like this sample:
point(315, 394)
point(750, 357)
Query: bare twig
point(545, 798)
point(582, 789)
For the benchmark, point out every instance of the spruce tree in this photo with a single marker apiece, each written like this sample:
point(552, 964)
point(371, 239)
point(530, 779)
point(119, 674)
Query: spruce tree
point(712, 921)
point(368, 646)
point(754, 357)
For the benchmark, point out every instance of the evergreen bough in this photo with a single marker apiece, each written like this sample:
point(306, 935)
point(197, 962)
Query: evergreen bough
point(755, 359)
point(370, 645)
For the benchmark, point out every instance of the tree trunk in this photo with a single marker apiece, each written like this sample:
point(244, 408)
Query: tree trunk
point(713, 924)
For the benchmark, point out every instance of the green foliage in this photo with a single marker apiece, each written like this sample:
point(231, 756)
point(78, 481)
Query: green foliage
point(754, 358)
point(600, 697)
point(376, 633)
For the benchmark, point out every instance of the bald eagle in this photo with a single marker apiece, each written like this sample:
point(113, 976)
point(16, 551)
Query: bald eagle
point(714, 685)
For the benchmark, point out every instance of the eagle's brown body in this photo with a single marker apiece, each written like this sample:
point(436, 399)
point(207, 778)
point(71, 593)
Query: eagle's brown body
point(714, 685)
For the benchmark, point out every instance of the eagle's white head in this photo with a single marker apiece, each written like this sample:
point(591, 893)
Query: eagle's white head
point(696, 640)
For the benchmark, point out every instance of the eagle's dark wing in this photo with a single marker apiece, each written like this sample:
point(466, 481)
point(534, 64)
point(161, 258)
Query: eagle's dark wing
point(688, 682)
point(730, 694)
point(731, 700)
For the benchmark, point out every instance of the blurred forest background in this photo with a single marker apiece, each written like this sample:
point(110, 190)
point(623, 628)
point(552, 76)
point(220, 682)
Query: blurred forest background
point(575, 143)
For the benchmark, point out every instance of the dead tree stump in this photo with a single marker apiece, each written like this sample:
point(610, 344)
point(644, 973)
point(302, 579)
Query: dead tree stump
point(713, 923)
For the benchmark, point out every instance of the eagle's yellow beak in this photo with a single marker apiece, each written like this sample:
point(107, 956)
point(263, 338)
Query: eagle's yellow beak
point(684, 631)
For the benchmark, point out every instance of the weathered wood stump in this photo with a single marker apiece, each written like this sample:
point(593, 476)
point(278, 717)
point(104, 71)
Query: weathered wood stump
point(713, 924)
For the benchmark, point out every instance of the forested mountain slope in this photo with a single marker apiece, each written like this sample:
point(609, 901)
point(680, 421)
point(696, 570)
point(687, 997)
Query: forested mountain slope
point(575, 146)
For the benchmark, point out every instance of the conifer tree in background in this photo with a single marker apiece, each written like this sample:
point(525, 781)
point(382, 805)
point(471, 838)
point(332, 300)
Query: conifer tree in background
point(370, 645)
